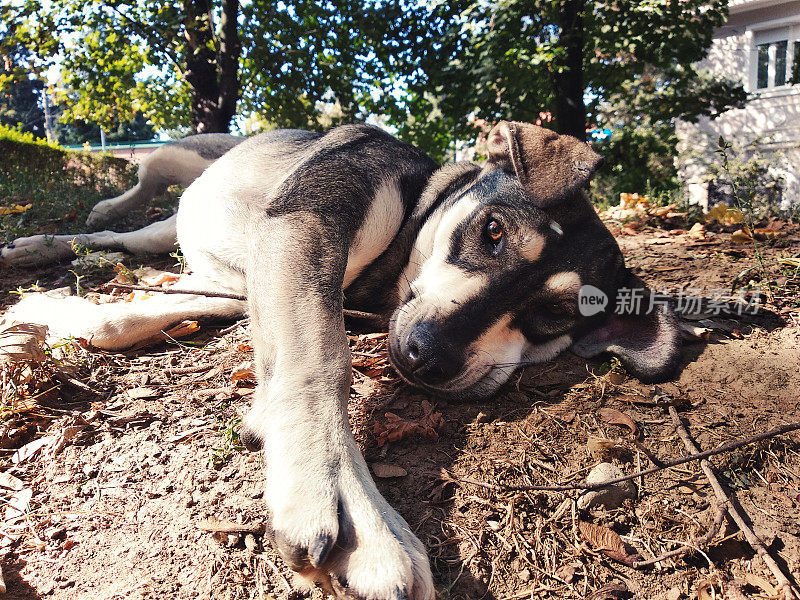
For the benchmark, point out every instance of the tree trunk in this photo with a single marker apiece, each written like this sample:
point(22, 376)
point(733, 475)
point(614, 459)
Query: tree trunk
point(568, 84)
point(212, 64)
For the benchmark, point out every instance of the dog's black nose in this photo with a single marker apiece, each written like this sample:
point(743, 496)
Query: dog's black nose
point(426, 356)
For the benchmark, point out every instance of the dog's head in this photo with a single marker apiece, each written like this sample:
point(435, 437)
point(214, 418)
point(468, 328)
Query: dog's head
point(514, 267)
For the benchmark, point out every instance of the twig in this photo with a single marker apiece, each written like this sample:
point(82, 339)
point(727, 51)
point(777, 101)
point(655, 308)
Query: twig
point(355, 314)
point(790, 591)
point(727, 447)
point(700, 542)
point(215, 525)
point(188, 370)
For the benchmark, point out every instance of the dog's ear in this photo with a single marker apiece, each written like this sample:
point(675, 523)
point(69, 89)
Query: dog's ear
point(550, 166)
point(646, 338)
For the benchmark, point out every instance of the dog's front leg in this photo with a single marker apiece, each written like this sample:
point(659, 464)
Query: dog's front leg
point(329, 520)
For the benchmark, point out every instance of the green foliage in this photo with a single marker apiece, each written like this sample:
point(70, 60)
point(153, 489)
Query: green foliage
point(500, 60)
point(60, 185)
point(19, 95)
point(14, 141)
point(128, 131)
point(639, 158)
point(744, 179)
point(433, 69)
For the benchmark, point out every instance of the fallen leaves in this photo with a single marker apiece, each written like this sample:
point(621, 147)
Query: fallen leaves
point(396, 428)
point(606, 541)
point(724, 215)
point(142, 393)
point(22, 342)
point(243, 372)
point(31, 449)
point(605, 450)
point(613, 416)
point(181, 330)
point(14, 209)
point(610, 591)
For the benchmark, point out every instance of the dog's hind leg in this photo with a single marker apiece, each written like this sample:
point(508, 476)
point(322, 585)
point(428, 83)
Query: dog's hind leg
point(120, 325)
point(157, 238)
point(328, 518)
point(150, 185)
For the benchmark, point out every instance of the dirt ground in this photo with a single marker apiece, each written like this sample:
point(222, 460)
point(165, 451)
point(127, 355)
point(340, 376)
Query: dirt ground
point(144, 450)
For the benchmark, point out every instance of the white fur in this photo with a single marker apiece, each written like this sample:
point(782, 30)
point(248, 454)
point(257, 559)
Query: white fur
point(157, 238)
point(120, 325)
point(316, 475)
point(441, 285)
point(565, 282)
point(169, 163)
point(381, 224)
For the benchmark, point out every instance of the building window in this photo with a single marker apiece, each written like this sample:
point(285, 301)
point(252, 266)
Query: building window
point(776, 59)
point(763, 66)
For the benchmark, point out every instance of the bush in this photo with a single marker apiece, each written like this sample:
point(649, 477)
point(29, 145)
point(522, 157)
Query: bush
point(639, 159)
point(60, 185)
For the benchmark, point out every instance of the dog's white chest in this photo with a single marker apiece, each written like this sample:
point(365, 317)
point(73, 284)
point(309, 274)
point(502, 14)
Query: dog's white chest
point(381, 224)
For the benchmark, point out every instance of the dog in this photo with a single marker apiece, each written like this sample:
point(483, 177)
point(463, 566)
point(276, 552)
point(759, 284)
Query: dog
point(475, 270)
point(175, 163)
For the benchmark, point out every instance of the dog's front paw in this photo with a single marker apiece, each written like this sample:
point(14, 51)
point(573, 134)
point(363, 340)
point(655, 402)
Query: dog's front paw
point(380, 557)
point(64, 316)
point(332, 526)
point(36, 250)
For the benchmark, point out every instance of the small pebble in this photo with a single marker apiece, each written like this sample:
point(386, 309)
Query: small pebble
point(612, 496)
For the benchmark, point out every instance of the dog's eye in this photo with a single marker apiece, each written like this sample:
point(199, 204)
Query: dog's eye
point(493, 232)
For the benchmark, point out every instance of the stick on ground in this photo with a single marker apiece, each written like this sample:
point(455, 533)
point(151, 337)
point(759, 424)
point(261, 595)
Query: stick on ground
point(727, 447)
point(790, 591)
point(355, 314)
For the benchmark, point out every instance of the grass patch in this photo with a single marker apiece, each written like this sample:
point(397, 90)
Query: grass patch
point(61, 187)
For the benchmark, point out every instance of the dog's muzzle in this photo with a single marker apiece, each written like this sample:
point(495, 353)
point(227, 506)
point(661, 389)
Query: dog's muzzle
point(423, 357)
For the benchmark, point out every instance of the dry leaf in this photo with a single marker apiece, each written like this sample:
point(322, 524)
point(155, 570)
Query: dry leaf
point(10, 482)
point(396, 428)
point(724, 215)
point(18, 505)
point(616, 417)
point(384, 471)
point(243, 372)
point(741, 236)
point(22, 342)
point(14, 209)
point(182, 329)
point(615, 377)
point(142, 393)
point(610, 591)
point(606, 541)
point(30, 449)
point(365, 387)
point(760, 582)
point(605, 449)
point(663, 211)
point(165, 279)
point(567, 572)
point(698, 231)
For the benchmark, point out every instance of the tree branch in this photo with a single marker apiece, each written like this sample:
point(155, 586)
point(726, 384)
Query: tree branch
point(727, 447)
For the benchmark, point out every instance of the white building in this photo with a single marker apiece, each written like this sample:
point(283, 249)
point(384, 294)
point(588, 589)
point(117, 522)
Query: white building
point(757, 47)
